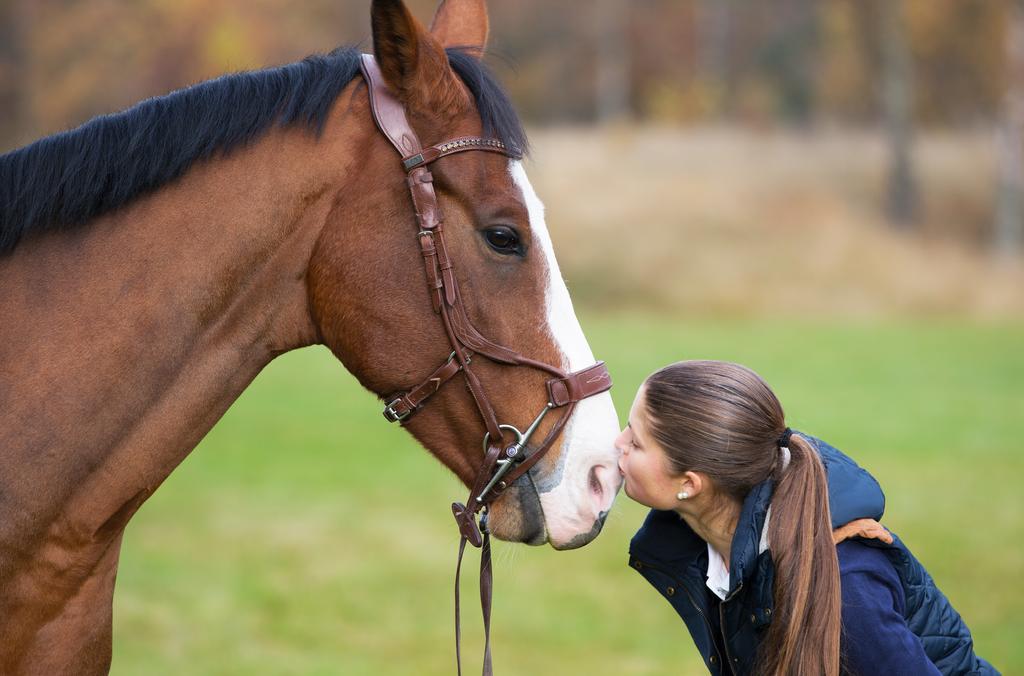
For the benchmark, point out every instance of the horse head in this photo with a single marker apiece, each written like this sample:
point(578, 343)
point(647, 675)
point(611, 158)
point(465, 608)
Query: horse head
point(370, 300)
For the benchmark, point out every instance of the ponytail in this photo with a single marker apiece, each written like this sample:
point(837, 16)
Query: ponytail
point(803, 637)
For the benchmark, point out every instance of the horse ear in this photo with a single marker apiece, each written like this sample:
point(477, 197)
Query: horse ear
point(412, 61)
point(461, 23)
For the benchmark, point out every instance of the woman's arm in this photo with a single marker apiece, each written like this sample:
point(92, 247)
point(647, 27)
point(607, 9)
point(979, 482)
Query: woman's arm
point(875, 638)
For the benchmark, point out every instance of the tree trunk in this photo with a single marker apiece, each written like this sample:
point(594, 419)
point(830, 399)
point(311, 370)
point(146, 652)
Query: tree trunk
point(790, 56)
point(715, 26)
point(897, 113)
point(13, 73)
point(612, 60)
point(1008, 233)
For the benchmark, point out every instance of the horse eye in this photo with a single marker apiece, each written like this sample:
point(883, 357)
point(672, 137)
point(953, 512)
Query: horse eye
point(503, 239)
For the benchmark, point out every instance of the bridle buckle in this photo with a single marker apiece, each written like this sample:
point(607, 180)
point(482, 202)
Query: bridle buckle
point(392, 414)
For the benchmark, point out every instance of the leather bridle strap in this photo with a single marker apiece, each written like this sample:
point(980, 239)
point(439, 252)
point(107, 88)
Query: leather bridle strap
point(456, 145)
point(404, 405)
point(502, 464)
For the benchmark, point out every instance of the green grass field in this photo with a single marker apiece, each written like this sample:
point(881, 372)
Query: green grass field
point(307, 536)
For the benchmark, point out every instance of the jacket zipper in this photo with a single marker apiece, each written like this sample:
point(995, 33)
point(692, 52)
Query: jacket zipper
point(725, 641)
point(700, 612)
point(721, 623)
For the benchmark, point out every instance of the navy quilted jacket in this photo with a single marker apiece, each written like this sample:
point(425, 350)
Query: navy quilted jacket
point(876, 578)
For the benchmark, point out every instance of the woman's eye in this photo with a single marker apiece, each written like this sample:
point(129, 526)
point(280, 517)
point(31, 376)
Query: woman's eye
point(503, 240)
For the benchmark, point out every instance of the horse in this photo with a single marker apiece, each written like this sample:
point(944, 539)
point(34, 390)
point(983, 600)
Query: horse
point(153, 261)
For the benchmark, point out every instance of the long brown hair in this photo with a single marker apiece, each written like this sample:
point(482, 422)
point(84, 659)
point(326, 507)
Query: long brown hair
point(722, 419)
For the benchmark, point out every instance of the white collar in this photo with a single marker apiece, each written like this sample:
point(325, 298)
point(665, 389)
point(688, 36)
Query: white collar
point(718, 573)
point(762, 545)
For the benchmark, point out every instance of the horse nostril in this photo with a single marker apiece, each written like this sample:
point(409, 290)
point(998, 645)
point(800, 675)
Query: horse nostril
point(595, 482)
point(604, 482)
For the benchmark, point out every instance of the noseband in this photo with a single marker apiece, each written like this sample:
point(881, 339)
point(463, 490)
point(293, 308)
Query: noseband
point(502, 464)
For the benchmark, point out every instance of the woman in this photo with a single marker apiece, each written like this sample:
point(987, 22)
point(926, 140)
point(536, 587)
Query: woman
point(740, 538)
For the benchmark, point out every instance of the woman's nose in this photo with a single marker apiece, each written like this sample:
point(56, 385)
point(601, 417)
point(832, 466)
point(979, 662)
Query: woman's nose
point(620, 442)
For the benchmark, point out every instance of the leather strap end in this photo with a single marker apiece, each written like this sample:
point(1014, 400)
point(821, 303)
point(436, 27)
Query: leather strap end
point(466, 520)
point(450, 292)
point(424, 199)
point(425, 156)
point(579, 385)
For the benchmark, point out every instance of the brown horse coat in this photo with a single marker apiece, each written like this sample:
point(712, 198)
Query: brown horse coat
point(124, 339)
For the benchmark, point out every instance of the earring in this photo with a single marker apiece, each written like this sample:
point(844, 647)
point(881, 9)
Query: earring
point(682, 495)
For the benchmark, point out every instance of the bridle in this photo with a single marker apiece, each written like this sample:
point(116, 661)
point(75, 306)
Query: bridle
point(502, 464)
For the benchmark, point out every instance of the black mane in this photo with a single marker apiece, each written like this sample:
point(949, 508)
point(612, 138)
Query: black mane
point(67, 179)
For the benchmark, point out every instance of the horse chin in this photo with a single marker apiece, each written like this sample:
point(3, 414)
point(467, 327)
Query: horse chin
point(581, 539)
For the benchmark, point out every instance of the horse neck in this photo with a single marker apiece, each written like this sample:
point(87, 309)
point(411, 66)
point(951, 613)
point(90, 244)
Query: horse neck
point(124, 341)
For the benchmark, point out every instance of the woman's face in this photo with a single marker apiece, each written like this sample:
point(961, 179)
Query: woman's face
point(643, 464)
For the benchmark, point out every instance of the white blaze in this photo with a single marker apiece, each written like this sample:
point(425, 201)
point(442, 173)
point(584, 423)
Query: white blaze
point(588, 438)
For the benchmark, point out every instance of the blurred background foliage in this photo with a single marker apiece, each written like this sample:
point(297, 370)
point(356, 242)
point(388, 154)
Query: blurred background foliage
point(873, 149)
point(829, 191)
point(794, 62)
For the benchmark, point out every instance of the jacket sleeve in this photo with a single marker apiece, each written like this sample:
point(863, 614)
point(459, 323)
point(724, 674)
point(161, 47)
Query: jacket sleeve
point(876, 638)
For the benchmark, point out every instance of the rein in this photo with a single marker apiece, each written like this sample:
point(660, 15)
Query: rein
point(502, 464)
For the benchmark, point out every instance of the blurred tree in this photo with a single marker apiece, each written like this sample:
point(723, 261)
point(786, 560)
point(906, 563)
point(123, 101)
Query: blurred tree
point(897, 111)
point(957, 59)
point(611, 49)
point(666, 84)
point(714, 35)
point(789, 58)
point(667, 60)
point(15, 120)
point(846, 69)
point(1009, 224)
